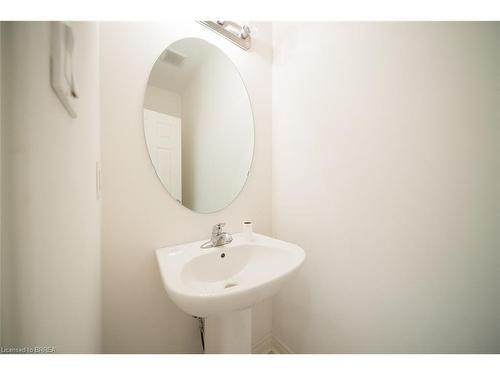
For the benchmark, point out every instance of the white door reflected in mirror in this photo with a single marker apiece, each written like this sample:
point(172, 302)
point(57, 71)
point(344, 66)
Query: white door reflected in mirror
point(198, 125)
point(163, 138)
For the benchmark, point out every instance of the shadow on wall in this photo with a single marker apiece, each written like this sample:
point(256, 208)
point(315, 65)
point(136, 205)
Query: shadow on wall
point(303, 314)
point(260, 46)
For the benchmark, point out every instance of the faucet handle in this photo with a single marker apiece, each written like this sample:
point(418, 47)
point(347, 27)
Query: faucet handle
point(217, 228)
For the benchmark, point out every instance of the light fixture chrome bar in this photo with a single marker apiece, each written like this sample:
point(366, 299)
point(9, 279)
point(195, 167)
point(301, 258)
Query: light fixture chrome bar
point(241, 39)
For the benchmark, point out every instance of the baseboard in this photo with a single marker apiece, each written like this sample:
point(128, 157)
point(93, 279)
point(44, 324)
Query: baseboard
point(263, 346)
point(278, 347)
point(270, 345)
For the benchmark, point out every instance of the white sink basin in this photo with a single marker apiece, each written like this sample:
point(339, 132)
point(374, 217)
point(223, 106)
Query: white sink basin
point(204, 282)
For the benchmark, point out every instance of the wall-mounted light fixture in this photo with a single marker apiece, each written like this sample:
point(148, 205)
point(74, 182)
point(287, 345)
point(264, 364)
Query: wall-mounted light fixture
point(239, 35)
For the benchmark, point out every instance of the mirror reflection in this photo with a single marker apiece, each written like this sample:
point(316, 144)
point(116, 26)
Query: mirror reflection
point(198, 125)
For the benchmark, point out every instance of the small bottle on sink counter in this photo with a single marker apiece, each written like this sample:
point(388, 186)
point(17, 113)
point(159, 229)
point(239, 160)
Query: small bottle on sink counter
point(247, 230)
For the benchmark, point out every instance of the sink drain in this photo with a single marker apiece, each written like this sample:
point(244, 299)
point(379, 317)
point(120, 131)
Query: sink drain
point(230, 285)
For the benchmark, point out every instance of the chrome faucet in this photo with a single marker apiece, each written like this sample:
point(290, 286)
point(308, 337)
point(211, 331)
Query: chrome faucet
point(218, 238)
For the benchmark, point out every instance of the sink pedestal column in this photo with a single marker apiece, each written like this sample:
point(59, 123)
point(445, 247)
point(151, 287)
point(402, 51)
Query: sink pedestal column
point(229, 332)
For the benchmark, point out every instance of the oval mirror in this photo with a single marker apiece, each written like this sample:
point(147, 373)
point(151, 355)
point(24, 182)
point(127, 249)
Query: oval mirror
point(198, 125)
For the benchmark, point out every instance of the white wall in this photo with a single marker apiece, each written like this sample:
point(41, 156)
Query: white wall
point(217, 135)
point(1, 184)
point(50, 225)
point(164, 101)
point(385, 169)
point(138, 213)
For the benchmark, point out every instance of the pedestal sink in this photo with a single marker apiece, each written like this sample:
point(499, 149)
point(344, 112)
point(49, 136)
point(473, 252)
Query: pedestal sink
point(222, 283)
